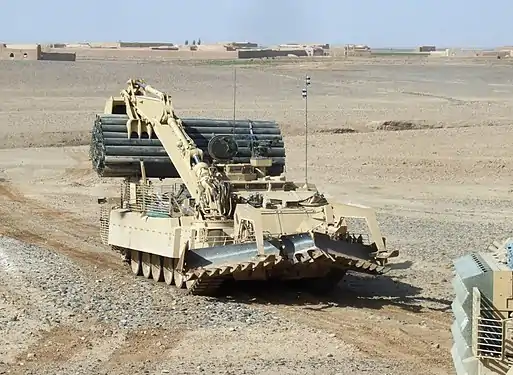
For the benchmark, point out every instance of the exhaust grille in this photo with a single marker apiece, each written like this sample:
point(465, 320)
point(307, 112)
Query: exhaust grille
point(489, 330)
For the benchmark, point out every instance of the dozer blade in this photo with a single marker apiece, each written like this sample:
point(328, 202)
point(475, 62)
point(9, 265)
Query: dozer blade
point(299, 256)
point(218, 256)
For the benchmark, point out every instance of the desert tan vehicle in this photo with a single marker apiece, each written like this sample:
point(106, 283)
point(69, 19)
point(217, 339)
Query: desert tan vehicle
point(482, 330)
point(229, 212)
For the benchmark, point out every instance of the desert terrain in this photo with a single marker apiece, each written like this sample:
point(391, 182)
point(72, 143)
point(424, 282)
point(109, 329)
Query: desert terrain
point(440, 182)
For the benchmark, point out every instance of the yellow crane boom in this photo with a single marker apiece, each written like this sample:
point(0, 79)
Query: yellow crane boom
point(155, 109)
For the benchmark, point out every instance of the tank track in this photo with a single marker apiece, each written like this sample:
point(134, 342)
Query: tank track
point(206, 286)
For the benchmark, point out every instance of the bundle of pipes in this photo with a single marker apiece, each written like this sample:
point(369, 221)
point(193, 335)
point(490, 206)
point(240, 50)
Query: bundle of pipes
point(114, 154)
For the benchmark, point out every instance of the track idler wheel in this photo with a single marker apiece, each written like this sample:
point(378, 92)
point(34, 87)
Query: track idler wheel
point(167, 270)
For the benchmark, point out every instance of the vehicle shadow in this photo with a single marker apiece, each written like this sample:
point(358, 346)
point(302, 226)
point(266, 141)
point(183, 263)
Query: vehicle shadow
point(355, 290)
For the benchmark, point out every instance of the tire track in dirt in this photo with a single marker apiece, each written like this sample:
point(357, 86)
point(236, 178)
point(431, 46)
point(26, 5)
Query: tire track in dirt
point(415, 337)
point(411, 343)
point(116, 352)
point(150, 343)
point(30, 221)
point(55, 347)
point(68, 346)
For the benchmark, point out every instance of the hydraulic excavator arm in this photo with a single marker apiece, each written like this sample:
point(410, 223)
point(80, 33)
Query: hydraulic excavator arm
point(151, 108)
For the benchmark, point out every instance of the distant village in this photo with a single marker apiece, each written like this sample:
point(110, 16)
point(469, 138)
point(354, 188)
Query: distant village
point(240, 50)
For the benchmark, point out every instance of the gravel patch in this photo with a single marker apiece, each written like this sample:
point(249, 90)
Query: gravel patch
point(63, 290)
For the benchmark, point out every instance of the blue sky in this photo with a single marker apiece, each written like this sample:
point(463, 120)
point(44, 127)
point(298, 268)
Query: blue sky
point(378, 23)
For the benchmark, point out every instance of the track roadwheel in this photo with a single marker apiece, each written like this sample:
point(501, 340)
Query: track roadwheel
point(156, 268)
point(135, 262)
point(146, 265)
point(179, 279)
point(167, 270)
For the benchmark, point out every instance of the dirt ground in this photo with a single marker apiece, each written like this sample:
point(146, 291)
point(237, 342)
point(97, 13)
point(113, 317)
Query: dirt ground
point(440, 181)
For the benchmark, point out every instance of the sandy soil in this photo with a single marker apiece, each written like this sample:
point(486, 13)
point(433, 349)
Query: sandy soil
point(68, 305)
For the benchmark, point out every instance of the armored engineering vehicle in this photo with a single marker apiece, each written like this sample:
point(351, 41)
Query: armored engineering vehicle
point(482, 329)
point(229, 213)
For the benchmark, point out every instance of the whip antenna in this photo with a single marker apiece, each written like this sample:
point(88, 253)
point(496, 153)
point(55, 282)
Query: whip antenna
point(305, 96)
